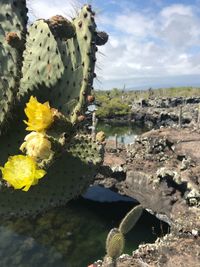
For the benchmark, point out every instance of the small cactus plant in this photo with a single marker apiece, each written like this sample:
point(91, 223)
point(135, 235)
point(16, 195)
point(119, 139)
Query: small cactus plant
point(115, 241)
point(48, 70)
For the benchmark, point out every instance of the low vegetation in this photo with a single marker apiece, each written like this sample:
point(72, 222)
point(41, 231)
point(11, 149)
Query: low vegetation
point(111, 103)
point(118, 102)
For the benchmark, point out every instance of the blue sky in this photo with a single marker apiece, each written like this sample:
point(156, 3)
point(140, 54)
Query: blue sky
point(153, 43)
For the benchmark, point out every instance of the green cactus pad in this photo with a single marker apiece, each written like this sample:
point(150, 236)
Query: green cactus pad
point(130, 219)
point(115, 245)
point(42, 66)
point(61, 71)
point(67, 178)
point(110, 235)
point(13, 20)
point(83, 49)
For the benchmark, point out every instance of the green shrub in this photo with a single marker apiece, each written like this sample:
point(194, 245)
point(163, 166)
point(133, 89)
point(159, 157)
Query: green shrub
point(111, 107)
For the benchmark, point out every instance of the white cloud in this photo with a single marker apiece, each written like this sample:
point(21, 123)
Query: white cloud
point(46, 9)
point(142, 46)
point(176, 9)
point(134, 23)
point(179, 26)
point(153, 45)
point(181, 31)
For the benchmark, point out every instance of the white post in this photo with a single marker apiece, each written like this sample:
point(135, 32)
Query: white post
point(94, 124)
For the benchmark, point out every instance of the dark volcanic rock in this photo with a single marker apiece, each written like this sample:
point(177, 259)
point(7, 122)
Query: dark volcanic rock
point(160, 112)
point(169, 251)
point(165, 111)
point(162, 172)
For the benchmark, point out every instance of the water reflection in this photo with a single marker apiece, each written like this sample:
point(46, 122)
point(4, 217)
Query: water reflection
point(23, 250)
point(101, 194)
point(126, 132)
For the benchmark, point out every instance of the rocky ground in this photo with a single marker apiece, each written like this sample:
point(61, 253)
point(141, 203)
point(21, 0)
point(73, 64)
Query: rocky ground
point(162, 112)
point(170, 251)
point(161, 170)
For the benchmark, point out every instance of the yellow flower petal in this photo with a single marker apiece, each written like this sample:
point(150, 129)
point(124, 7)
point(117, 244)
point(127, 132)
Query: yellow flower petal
point(40, 173)
point(21, 172)
point(37, 146)
point(26, 188)
point(40, 116)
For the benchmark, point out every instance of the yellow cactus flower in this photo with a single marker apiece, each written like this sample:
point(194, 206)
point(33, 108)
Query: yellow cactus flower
point(40, 116)
point(21, 172)
point(37, 146)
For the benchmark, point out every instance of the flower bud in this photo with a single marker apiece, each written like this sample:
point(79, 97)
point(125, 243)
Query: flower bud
point(37, 146)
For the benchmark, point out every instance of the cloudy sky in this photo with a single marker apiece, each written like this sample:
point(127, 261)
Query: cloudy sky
point(153, 43)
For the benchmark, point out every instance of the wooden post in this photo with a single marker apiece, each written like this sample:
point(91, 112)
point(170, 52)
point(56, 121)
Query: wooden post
point(116, 144)
point(198, 118)
point(180, 117)
point(141, 103)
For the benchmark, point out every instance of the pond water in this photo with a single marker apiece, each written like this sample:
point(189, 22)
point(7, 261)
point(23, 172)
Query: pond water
point(73, 235)
point(126, 132)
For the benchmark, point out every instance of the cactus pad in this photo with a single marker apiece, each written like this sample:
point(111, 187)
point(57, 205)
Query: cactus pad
point(68, 177)
point(58, 70)
point(42, 66)
point(130, 219)
point(115, 245)
point(13, 20)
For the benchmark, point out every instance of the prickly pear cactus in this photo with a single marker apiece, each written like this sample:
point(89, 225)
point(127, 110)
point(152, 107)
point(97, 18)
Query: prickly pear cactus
point(59, 67)
point(115, 241)
point(13, 20)
point(52, 60)
point(68, 178)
